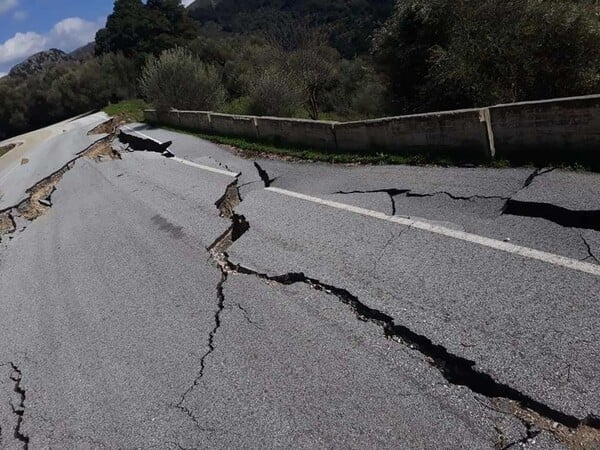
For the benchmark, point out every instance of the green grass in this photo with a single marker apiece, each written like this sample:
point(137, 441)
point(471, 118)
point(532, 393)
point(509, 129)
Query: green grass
point(258, 148)
point(261, 148)
point(127, 109)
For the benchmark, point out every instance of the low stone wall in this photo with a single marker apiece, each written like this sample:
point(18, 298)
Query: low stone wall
point(240, 126)
point(531, 130)
point(193, 120)
point(297, 132)
point(454, 132)
point(566, 129)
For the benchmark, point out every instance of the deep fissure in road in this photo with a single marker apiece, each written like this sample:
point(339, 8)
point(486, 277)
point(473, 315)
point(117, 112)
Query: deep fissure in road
point(39, 196)
point(226, 206)
point(586, 219)
point(568, 218)
point(19, 410)
point(144, 144)
point(455, 369)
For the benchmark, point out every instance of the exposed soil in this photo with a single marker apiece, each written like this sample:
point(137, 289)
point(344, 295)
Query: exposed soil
point(108, 127)
point(7, 224)
point(102, 150)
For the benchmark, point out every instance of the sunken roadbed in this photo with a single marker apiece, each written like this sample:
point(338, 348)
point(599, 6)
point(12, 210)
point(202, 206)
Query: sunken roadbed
point(162, 292)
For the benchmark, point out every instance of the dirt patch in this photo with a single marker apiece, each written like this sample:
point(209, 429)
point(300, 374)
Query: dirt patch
point(230, 200)
point(7, 224)
point(108, 127)
point(583, 437)
point(39, 195)
point(102, 150)
point(24, 161)
point(104, 128)
point(7, 148)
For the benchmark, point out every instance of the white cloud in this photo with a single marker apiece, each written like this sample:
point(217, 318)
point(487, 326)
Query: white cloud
point(67, 35)
point(3, 74)
point(187, 2)
point(6, 5)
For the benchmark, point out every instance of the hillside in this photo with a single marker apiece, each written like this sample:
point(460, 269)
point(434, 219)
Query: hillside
point(350, 23)
point(39, 62)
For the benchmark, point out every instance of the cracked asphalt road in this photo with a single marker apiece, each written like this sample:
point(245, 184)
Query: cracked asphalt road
point(148, 309)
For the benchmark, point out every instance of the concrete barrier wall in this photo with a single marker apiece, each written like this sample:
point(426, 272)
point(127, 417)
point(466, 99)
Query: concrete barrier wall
point(308, 133)
point(532, 129)
point(240, 126)
point(193, 120)
point(459, 132)
point(529, 131)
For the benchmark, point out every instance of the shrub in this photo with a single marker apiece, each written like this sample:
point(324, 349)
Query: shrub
point(177, 79)
point(273, 93)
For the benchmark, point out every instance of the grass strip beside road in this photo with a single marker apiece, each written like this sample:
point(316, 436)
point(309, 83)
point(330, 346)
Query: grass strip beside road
point(133, 110)
point(254, 148)
point(130, 110)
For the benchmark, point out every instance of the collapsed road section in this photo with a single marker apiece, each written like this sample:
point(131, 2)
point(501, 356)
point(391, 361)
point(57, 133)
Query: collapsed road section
point(39, 196)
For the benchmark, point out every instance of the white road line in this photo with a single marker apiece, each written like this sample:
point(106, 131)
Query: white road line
point(141, 134)
point(525, 252)
point(185, 161)
point(203, 167)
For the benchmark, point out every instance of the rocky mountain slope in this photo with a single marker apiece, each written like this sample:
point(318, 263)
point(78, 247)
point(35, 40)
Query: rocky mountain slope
point(38, 62)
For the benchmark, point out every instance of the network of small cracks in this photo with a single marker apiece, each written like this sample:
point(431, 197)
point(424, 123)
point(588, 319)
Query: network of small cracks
point(591, 254)
point(18, 409)
point(458, 371)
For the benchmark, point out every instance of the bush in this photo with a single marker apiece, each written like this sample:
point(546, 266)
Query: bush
point(457, 53)
point(179, 80)
point(273, 93)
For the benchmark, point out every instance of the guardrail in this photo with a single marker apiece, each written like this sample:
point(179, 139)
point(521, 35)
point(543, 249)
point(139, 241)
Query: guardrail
point(563, 130)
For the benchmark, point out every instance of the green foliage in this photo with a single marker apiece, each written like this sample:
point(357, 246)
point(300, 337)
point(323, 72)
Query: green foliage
point(349, 23)
point(132, 110)
point(136, 29)
point(64, 91)
point(178, 79)
point(273, 92)
point(264, 148)
point(458, 53)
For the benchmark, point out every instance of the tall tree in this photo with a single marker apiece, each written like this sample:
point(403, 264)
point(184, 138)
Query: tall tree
point(460, 53)
point(125, 28)
point(135, 28)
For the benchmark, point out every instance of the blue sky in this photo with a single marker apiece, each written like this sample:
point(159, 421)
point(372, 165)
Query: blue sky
point(30, 26)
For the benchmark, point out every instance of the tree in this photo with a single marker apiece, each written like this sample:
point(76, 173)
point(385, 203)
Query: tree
point(460, 53)
point(125, 28)
point(178, 79)
point(136, 29)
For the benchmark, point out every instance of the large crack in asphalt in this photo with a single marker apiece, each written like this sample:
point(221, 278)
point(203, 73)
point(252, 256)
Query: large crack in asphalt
point(584, 219)
point(587, 219)
point(39, 196)
point(144, 144)
point(19, 409)
point(226, 206)
point(457, 371)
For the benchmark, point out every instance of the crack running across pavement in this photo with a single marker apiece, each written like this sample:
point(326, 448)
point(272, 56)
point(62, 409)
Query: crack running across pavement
point(19, 409)
point(455, 369)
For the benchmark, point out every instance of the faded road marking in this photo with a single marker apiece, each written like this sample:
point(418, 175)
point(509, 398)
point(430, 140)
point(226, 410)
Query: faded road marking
point(525, 252)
